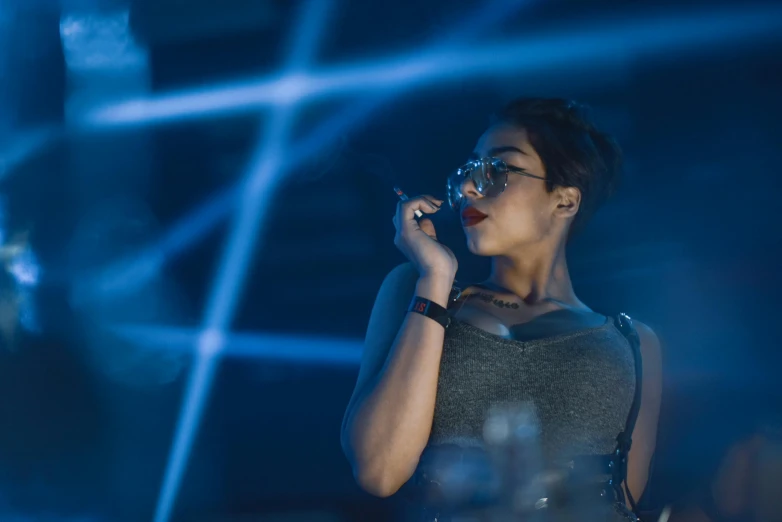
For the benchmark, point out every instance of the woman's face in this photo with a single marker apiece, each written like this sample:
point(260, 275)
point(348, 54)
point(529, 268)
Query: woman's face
point(525, 213)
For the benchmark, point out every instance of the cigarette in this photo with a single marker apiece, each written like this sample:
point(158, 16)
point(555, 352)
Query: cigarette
point(404, 197)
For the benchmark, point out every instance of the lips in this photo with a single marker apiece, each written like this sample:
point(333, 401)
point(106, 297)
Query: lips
point(471, 216)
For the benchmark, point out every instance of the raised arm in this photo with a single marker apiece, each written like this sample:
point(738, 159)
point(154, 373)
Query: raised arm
point(389, 417)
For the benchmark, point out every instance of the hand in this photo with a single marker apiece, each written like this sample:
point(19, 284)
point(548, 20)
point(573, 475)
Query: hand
point(417, 239)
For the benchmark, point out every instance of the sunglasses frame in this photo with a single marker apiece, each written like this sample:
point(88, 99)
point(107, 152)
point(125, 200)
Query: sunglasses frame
point(499, 165)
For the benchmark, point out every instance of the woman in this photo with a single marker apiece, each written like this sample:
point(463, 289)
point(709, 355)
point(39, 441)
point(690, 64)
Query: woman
point(428, 380)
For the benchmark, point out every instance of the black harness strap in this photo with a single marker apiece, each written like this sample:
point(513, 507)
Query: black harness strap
point(618, 463)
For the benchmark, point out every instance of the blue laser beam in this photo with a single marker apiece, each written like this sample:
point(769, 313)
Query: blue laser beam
point(653, 34)
point(130, 272)
point(25, 145)
point(259, 185)
point(306, 349)
point(209, 344)
point(234, 262)
point(127, 274)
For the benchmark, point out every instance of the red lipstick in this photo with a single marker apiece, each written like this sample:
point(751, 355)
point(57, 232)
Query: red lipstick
point(471, 216)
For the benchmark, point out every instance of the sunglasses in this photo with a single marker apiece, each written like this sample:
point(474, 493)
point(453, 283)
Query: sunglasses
point(489, 175)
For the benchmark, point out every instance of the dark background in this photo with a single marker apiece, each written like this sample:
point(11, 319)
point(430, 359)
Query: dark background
point(691, 246)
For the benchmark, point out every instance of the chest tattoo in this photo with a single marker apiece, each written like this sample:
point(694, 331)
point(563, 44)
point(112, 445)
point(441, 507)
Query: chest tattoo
point(488, 298)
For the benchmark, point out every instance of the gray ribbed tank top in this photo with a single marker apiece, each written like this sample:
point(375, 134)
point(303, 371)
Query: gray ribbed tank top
point(581, 385)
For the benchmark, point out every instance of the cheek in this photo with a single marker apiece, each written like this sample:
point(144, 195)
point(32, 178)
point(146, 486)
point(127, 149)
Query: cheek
point(524, 215)
point(521, 206)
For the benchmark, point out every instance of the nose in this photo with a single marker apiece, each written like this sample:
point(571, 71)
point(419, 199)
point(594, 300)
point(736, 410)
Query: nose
point(468, 189)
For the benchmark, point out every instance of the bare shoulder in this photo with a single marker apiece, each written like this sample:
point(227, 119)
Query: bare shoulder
point(650, 345)
point(645, 432)
point(645, 332)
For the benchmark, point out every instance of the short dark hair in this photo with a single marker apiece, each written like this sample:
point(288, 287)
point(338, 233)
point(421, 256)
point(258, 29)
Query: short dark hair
point(573, 151)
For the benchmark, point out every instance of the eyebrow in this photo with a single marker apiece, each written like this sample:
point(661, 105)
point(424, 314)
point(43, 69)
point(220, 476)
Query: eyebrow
point(496, 151)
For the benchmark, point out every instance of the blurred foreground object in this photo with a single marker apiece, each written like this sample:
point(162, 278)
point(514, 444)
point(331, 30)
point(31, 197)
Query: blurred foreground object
point(747, 484)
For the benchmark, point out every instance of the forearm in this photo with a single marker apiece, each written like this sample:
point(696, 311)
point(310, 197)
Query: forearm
point(391, 424)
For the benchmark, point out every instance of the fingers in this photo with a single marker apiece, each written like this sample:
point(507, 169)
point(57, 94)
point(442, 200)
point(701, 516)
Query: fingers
point(425, 204)
point(427, 227)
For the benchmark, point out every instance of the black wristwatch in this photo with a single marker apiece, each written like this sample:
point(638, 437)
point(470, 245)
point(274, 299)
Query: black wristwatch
point(430, 309)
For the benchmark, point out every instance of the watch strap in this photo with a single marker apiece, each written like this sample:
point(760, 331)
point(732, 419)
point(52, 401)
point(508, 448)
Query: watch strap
point(432, 310)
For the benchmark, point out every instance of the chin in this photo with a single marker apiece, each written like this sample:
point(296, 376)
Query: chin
point(481, 246)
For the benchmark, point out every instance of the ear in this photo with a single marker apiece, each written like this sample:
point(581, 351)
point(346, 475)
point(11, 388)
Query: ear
point(568, 200)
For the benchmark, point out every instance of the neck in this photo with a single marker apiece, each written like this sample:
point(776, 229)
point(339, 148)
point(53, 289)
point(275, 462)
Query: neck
point(538, 274)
